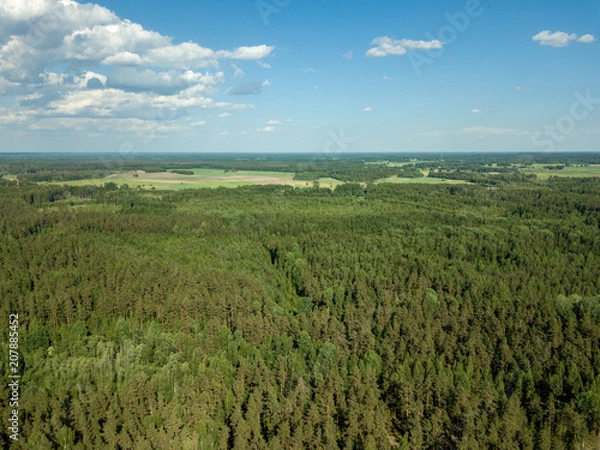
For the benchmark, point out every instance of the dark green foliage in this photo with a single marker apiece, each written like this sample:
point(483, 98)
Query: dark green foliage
point(370, 317)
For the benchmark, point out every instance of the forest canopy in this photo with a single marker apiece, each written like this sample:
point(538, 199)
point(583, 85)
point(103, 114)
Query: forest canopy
point(369, 316)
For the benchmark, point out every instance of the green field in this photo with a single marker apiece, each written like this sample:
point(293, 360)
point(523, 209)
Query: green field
point(424, 180)
point(396, 164)
point(592, 170)
point(330, 183)
point(202, 178)
point(211, 178)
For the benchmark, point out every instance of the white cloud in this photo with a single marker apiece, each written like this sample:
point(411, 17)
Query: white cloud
point(90, 80)
point(122, 59)
point(117, 103)
point(224, 115)
point(274, 122)
point(105, 40)
point(386, 46)
point(266, 83)
point(348, 55)
point(105, 125)
point(118, 70)
point(5, 84)
point(560, 38)
point(267, 129)
point(475, 111)
point(386, 78)
point(586, 39)
point(368, 109)
point(263, 64)
point(309, 70)
point(130, 79)
point(10, 117)
point(247, 53)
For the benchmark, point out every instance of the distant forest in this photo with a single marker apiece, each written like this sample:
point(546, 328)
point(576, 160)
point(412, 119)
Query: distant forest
point(57, 167)
point(369, 316)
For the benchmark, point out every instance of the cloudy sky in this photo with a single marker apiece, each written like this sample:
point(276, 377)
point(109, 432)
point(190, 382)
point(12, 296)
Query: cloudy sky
point(299, 75)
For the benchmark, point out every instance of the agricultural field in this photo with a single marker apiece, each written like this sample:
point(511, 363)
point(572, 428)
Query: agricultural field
point(201, 178)
point(543, 171)
point(424, 180)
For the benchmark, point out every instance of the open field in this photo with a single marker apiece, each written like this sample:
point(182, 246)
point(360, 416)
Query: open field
point(211, 178)
point(330, 183)
point(396, 164)
point(592, 170)
point(201, 178)
point(424, 180)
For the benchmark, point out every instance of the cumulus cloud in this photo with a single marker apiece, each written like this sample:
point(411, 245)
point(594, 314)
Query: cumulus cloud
point(274, 122)
point(9, 117)
point(167, 82)
point(586, 39)
point(111, 67)
point(386, 46)
point(560, 38)
point(105, 125)
point(475, 111)
point(368, 109)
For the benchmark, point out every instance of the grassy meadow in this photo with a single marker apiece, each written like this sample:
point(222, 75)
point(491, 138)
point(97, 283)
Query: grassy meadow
point(576, 171)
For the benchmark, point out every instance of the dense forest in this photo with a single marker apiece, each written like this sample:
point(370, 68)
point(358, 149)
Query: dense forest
point(372, 316)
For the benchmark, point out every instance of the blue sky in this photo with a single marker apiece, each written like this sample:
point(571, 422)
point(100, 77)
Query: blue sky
point(299, 76)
